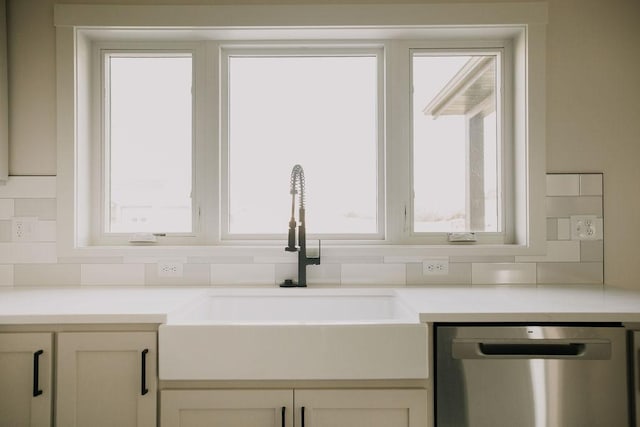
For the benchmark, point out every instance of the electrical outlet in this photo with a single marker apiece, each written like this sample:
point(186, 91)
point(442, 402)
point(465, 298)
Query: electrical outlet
point(170, 269)
point(435, 267)
point(586, 227)
point(23, 229)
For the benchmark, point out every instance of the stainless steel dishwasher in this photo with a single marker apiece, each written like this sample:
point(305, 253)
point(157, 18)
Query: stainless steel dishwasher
point(531, 376)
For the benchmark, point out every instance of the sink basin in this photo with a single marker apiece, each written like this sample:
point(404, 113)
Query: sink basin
point(293, 334)
point(297, 306)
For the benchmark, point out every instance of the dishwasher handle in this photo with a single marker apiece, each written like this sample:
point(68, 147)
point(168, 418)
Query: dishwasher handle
point(540, 349)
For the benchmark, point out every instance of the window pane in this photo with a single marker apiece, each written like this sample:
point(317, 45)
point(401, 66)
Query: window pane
point(150, 144)
point(455, 144)
point(319, 112)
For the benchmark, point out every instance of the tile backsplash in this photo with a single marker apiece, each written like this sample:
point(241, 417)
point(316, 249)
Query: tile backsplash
point(575, 254)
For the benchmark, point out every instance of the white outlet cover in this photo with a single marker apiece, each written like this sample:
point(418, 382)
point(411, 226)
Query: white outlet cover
point(586, 227)
point(170, 269)
point(24, 229)
point(435, 267)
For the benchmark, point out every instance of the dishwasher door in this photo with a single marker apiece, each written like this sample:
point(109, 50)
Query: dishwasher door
point(531, 376)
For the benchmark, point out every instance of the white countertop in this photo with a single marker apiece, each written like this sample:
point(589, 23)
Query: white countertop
point(503, 303)
point(435, 304)
point(91, 305)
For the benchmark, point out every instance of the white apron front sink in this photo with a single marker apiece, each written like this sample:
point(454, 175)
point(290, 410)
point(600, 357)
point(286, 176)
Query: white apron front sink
point(294, 334)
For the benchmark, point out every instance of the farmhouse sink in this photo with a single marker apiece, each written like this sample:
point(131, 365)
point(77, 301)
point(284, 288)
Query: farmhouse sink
point(293, 334)
point(296, 306)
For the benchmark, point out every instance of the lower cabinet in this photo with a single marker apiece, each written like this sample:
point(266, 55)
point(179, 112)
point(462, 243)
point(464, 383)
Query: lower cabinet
point(228, 408)
point(106, 379)
point(361, 408)
point(25, 379)
point(294, 408)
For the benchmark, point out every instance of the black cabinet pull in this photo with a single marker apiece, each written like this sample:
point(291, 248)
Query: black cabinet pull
point(302, 415)
point(284, 409)
point(143, 380)
point(36, 373)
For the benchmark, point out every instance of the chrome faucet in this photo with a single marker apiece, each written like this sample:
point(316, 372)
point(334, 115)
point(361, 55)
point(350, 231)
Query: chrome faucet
point(297, 187)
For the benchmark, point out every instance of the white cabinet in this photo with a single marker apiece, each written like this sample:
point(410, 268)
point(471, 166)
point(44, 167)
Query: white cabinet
point(106, 379)
point(275, 408)
point(228, 408)
point(635, 372)
point(25, 379)
point(361, 408)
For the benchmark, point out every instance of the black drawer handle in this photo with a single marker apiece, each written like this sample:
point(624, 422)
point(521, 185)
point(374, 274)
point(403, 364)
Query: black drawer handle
point(36, 373)
point(143, 380)
point(302, 415)
point(284, 409)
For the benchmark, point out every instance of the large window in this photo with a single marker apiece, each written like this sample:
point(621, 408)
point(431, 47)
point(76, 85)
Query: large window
point(147, 143)
point(408, 134)
point(457, 149)
point(319, 110)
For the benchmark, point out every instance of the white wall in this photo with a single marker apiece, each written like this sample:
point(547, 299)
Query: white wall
point(593, 111)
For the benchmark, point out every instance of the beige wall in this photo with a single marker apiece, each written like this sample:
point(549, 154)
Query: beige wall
point(593, 111)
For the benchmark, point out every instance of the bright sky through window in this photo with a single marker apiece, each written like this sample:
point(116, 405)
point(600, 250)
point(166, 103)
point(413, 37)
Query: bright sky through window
point(150, 143)
point(317, 111)
point(455, 146)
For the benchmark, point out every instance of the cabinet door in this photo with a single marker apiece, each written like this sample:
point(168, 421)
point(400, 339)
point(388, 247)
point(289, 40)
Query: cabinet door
point(226, 408)
point(25, 379)
point(106, 379)
point(636, 376)
point(361, 408)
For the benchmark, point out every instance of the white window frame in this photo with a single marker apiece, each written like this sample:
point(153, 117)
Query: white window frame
point(504, 78)
point(450, 26)
point(101, 175)
point(301, 48)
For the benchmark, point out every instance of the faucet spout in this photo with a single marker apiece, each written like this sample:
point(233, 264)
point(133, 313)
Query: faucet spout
point(298, 188)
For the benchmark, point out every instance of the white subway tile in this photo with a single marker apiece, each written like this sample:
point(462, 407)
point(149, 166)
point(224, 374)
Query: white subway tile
point(503, 273)
point(6, 208)
point(374, 274)
point(557, 251)
point(153, 259)
point(242, 274)
point(46, 274)
point(571, 272)
point(28, 253)
point(564, 229)
point(46, 231)
point(29, 187)
point(563, 185)
point(6, 275)
point(43, 209)
point(90, 260)
point(591, 184)
point(285, 258)
point(112, 274)
point(399, 259)
point(192, 275)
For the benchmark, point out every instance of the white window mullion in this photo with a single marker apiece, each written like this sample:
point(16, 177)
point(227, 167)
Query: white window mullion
point(399, 205)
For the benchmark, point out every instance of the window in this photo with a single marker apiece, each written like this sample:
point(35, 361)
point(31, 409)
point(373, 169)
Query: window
point(319, 108)
point(406, 133)
point(147, 143)
point(456, 106)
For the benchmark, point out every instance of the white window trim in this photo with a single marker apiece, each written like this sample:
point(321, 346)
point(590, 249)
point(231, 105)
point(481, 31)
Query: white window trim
point(75, 24)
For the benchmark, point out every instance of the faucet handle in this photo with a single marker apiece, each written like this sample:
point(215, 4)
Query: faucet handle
point(291, 246)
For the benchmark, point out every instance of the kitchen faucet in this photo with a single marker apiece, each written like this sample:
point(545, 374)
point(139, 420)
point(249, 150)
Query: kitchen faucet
point(297, 187)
